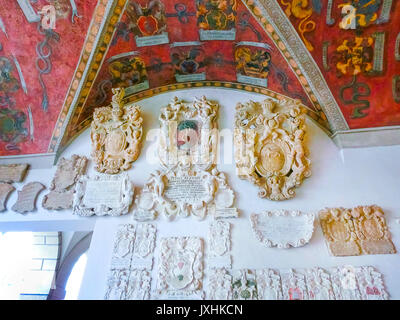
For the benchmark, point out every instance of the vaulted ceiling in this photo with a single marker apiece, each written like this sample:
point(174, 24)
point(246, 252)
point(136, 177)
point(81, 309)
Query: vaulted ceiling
point(339, 57)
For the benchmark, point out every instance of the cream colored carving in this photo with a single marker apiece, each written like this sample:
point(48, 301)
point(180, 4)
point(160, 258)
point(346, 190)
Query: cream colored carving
point(371, 230)
point(10, 173)
point(198, 142)
point(103, 195)
point(5, 190)
point(269, 285)
point(123, 247)
point(26, 201)
point(370, 284)
point(219, 284)
point(63, 185)
point(344, 283)
point(283, 228)
point(219, 244)
point(319, 284)
point(117, 284)
point(116, 134)
point(181, 191)
point(351, 232)
point(180, 271)
point(270, 149)
point(244, 285)
point(138, 287)
point(294, 286)
point(144, 246)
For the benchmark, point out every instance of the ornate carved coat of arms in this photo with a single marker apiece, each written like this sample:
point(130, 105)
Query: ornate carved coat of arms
point(116, 135)
point(269, 146)
point(181, 268)
point(189, 133)
point(147, 20)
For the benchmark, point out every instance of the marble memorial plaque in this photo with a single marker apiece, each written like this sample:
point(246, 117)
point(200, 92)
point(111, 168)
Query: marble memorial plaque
point(282, 228)
point(103, 195)
point(181, 191)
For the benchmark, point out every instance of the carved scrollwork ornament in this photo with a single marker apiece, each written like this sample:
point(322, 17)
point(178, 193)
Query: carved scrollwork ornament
point(116, 134)
point(270, 149)
point(184, 190)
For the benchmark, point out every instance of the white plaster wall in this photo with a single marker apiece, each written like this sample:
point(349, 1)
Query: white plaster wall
point(339, 178)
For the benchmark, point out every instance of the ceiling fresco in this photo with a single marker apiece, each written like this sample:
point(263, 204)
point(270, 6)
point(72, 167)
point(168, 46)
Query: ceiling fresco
point(340, 58)
point(37, 65)
point(165, 45)
point(356, 46)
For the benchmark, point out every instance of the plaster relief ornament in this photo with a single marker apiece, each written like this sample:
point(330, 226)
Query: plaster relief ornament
point(144, 246)
point(181, 191)
point(294, 286)
point(352, 232)
point(370, 284)
point(138, 285)
point(10, 173)
point(282, 228)
point(62, 187)
point(123, 247)
point(189, 133)
point(103, 195)
point(344, 283)
point(180, 272)
point(117, 284)
point(270, 150)
point(116, 134)
point(319, 284)
point(5, 190)
point(219, 284)
point(220, 244)
point(26, 201)
point(269, 285)
point(244, 285)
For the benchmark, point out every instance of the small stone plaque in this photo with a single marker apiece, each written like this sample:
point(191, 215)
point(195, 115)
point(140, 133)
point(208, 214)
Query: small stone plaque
point(27, 197)
point(5, 190)
point(13, 172)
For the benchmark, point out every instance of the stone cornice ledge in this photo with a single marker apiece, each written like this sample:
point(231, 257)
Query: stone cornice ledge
point(36, 161)
point(274, 14)
point(370, 137)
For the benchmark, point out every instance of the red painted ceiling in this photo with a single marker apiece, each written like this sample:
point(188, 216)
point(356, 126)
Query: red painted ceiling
point(364, 95)
point(51, 55)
